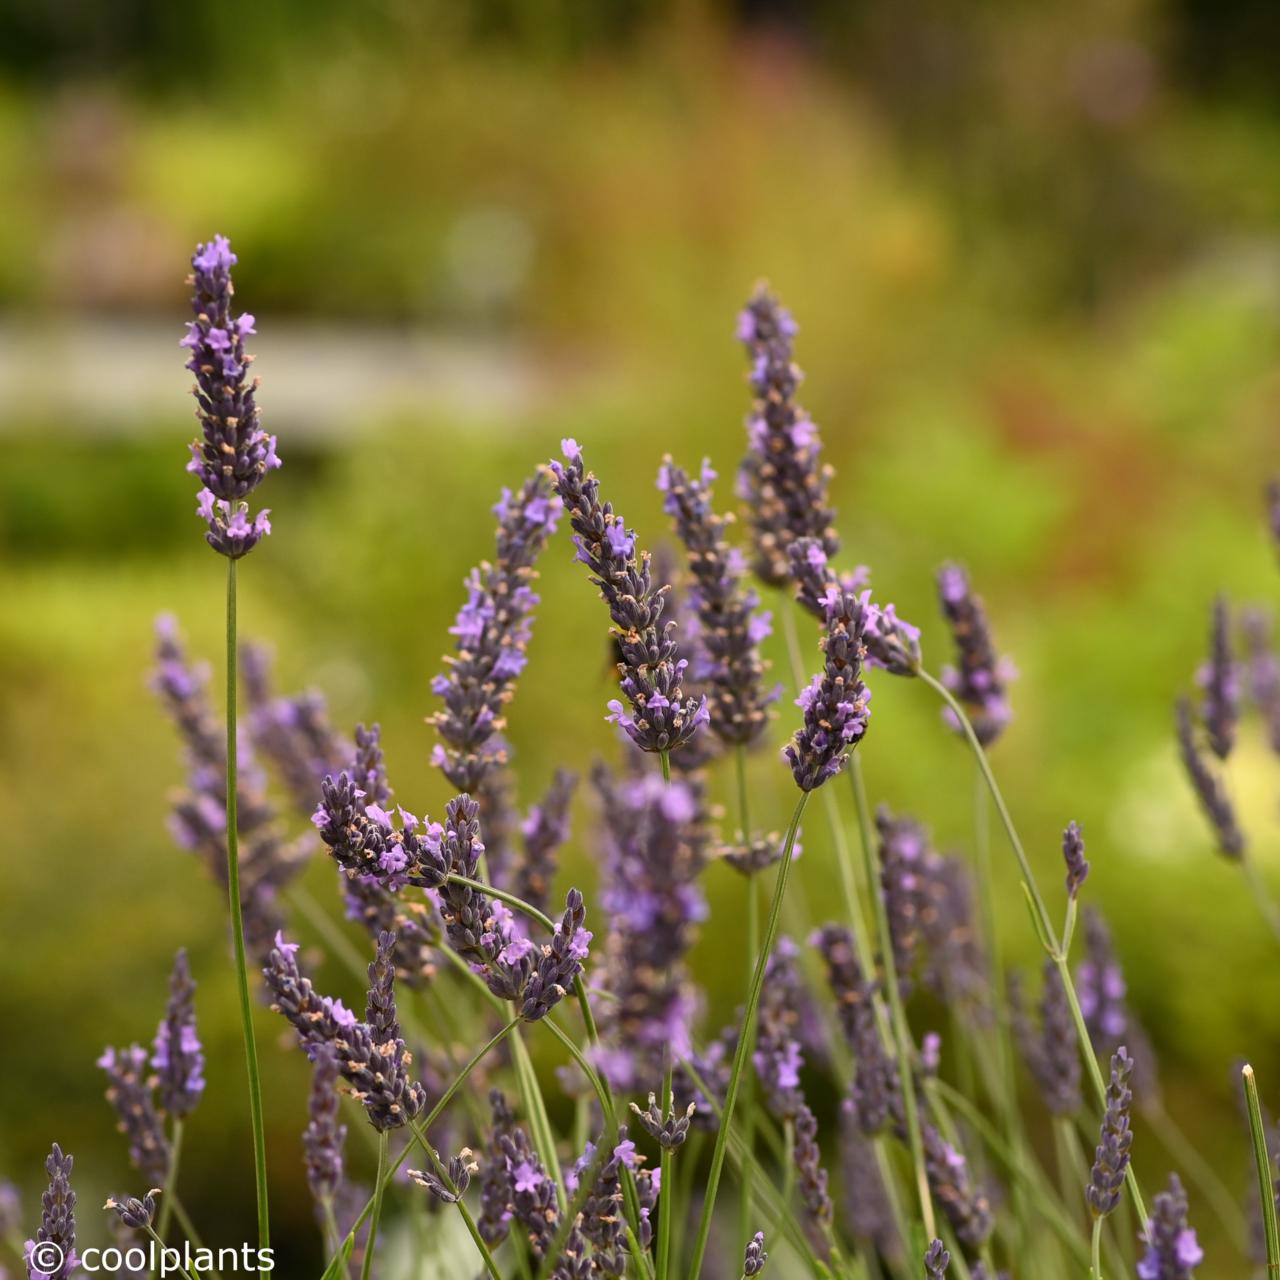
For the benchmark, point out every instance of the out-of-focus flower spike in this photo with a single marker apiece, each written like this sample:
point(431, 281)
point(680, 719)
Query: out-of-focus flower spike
point(1208, 787)
point(980, 677)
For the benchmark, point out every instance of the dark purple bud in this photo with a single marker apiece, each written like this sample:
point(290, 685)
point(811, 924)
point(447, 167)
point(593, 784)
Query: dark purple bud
point(904, 857)
point(1208, 787)
point(661, 717)
point(450, 1188)
point(380, 1006)
point(1173, 1252)
point(730, 629)
point(936, 1261)
point(130, 1092)
point(233, 453)
point(811, 1177)
point(51, 1255)
point(758, 853)
point(1073, 856)
point(1219, 681)
point(177, 1057)
point(1111, 1159)
point(979, 678)
point(668, 1129)
point(782, 478)
point(835, 704)
point(134, 1213)
point(755, 1257)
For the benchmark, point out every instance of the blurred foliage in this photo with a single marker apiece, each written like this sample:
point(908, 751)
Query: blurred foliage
point(1033, 254)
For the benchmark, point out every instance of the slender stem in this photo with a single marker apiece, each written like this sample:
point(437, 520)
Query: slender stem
point(746, 1039)
point(665, 758)
point(188, 1227)
point(788, 1169)
point(237, 931)
point(194, 1274)
point(1095, 1250)
point(667, 1199)
point(1262, 1158)
point(170, 1180)
point(526, 908)
point(379, 1188)
point(897, 1013)
point(1044, 925)
point(419, 1132)
point(538, 1118)
point(1260, 893)
point(432, 1116)
point(753, 945)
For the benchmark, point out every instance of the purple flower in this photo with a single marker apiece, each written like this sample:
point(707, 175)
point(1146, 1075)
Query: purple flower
point(1050, 1051)
point(177, 1057)
point(1209, 789)
point(668, 1129)
point(660, 717)
point(978, 681)
point(966, 1207)
point(131, 1094)
point(755, 1257)
point(376, 1068)
point(778, 1056)
point(234, 453)
point(493, 630)
point(782, 478)
point(811, 1177)
point(835, 704)
point(905, 860)
point(1173, 1252)
point(452, 1186)
point(1111, 1159)
point(1219, 679)
point(936, 1261)
point(729, 628)
point(57, 1223)
point(1263, 670)
point(325, 1137)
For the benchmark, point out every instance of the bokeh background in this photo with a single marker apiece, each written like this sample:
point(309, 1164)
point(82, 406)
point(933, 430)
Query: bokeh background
point(1034, 253)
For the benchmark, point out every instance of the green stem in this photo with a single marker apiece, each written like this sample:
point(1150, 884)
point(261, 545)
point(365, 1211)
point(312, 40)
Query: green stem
point(1043, 924)
point(170, 1180)
point(667, 1202)
point(536, 1105)
point(379, 1190)
point(788, 1168)
point(237, 931)
point(897, 1013)
point(1095, 1250)
point(746, 1039)
point(188, 1227)
point(419, 1132)
point(519, 904)
point(665, 758)
point(185, 1275)
point(753, 945)
point(1262, 1158)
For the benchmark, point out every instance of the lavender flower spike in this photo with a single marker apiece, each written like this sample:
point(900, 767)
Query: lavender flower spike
point(1051, 1053)
point(324, 1137)
point(978, 682)
point(755, 1257)
point(936, 1261)
point(234, 453)
point(177, 1057)
point(1073, 856)
point(129, 1091)
point(134, 1213)
point(1173, 1252)
point(1219, 679)
point(729, 628)
point(52, 1254)
point(782, 479)
point(493, 630)
point(1209, 789)
point(835, 704)
point(661, 717)
point(1111, 1160)
point(1263, 669)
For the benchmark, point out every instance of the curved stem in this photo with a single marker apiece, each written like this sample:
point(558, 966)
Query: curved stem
point(1044, 925)
point(189, 1227)
point(237, 931)
point(170, 1180)
point(379, 1190)
point(666, 1203)
point(525, 908)
point(1095, 1251)
point(897, 1013)
point(746, 1039)
point(753, 945)
point(194, 1275)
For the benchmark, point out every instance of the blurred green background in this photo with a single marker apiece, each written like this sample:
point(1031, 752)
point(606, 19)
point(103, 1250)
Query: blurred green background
point(1033, 252)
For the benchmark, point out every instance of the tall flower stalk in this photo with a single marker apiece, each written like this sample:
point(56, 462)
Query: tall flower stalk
point(231, 458)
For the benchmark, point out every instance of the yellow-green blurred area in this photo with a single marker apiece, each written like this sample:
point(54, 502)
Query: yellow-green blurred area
point(1033, 253)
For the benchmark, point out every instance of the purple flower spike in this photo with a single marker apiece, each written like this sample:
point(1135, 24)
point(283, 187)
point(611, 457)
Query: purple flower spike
point(131, 1094)
point(177, 1057)
point(835, 704)
point(1209, 789)
point(54, 1245)
point(966, 1207)
point(1050, 1051)
point(782, 478)
point(1173, 1252)
point(936, 1261)
point(979, 680)
point(1073, 856)
point(1111, 1160)
point(493, 631)
point(1263, 670)
point(755, 1257)
point(325, 1137)
point(729, 627)
point(1219, 679)
point(234, 453)
point(661, 717)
